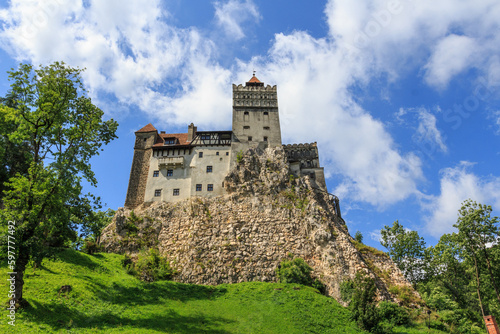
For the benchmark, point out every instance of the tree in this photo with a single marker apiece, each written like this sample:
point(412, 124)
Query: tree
point(407, 249)
point(358, 237)
point(96, 223)
point(476, 230)
point(62, 130)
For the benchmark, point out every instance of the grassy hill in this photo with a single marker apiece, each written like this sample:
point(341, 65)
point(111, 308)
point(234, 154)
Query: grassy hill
point(104, 298)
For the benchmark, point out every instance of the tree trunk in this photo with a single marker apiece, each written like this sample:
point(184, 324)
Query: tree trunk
point(17, 280)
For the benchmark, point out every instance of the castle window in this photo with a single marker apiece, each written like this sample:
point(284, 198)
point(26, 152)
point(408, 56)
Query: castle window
point(249, 138)
point(227, 153)
point(265, 138)
point(205, 137)
point(198, 187)
point(266, 128)
point(157, 192)
point(246, 127)
point(266, 113)
point(210, 187)
point(200, 155)
point(145, 139)
point(176, 192)
point(209, 169)
point(217, 153)
point(156, 173)
point(170, 172)
point(246, 116)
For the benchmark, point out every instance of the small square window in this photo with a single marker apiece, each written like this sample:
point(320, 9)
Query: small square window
point(170, 172)
point(157, 192)
point(156, 173)
point(217, 153)
point(198, 187)
point(176, 192)
point(266, 113)
point(210, 187)
point(246, 127)
point(209, 169)
point(266, 128)
point(200, 155)
point(265, 138)
point(249, 138)
point(227, 153)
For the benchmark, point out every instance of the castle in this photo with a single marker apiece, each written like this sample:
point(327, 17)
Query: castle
point(171, 167)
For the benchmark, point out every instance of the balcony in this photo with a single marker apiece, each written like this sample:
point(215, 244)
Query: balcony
point(171, 162)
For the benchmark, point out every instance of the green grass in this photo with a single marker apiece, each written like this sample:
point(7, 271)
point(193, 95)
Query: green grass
point(106, 299)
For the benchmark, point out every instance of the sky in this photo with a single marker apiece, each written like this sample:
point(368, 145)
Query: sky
point(402, 96)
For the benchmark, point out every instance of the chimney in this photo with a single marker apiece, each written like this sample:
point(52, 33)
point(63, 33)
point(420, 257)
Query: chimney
point(191, 132)
point(491, 324)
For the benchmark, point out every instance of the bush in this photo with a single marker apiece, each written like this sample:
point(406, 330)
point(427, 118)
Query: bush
point(298, 271)
point(150, 266)
point(295, 271)
point(90, 246)
point(346, 290)
point(394, 314)
point(363, 307)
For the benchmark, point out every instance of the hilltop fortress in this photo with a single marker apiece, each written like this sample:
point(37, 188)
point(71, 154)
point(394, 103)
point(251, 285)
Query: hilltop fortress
point(229, 206)
point(170, 167)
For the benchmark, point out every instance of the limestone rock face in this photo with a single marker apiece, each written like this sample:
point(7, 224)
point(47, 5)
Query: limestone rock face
point(243, 235)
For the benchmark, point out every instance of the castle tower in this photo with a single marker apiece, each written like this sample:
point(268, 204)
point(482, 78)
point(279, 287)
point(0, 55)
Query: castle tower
point(256, 119)
point(145, 138)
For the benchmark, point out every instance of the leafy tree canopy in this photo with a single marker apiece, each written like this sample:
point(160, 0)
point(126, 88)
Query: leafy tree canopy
point(48, 113)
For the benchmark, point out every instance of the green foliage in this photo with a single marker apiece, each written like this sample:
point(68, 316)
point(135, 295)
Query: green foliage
point(90, 246)
point(150, 266)
point(61, 130)
point(393, 314)
point(239, 156)
point(95, 223)
point(362, 306)
point(407, 249)
point(358, 237)
point(346, 290)
point(298, 271)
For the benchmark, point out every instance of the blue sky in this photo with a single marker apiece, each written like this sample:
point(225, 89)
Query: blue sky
point(402, 96)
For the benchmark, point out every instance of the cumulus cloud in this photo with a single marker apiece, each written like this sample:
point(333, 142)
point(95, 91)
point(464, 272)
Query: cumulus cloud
point(458, 184)
point(393, 36)
point(232, 14)
point(128, 50)
point(451, 56)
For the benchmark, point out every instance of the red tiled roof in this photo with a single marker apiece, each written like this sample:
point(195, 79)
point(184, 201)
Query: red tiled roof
point(254, 79)
point(181, 137)
point(147, 128)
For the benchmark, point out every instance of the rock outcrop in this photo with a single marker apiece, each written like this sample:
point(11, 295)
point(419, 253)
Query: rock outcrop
point(243, 236)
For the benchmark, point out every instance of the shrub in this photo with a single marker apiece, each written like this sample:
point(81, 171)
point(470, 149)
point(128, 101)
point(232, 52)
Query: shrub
point(90, 246)
point(346, 290)
point(393, 313)
point(150, 266)
point(363, 307)
point(295, 271)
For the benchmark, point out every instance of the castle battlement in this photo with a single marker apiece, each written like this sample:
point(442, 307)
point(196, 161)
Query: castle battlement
point(173, 166)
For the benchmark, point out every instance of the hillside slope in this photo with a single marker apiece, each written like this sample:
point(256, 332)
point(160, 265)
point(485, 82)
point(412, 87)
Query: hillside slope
point(106, 299)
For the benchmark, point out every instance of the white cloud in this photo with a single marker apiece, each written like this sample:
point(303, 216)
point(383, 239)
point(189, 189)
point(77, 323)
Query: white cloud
point(457, 185)
point(426, 132)
point(495, 116)
point(451, 56)
point(233, 13)
point(129, 51)
point(394, 36)
point(313, 78)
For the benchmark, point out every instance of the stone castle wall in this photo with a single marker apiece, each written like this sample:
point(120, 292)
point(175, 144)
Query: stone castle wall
point(244, 235)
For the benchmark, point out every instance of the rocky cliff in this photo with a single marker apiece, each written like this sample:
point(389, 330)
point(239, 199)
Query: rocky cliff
point(242, 236)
